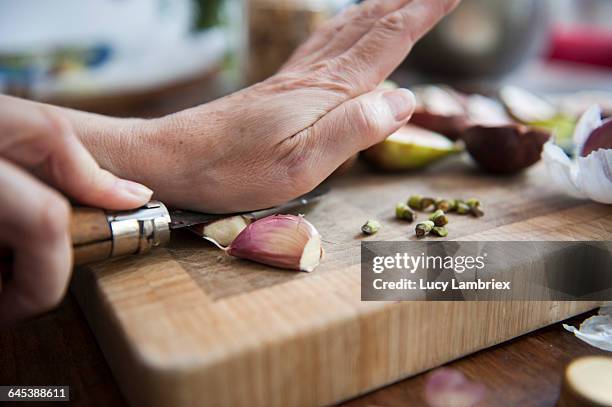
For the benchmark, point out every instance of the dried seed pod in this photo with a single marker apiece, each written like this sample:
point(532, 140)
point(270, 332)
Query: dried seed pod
point(439, 218)
point(423, 228)
point(505, 149)
point(402, 211)
point(284, 241)
point(440, 231)
point(371, 227)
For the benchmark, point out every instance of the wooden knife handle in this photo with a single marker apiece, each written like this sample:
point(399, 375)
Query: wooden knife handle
point(97, 234)
point(92, 237)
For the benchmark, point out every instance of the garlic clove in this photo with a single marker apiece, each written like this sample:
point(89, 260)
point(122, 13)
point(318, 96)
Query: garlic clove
point(222, 232)
point(284, 241)
point(409, 148)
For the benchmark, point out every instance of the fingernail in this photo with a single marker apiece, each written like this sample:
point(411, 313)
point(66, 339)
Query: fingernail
point(401, 102)
point(136, 189)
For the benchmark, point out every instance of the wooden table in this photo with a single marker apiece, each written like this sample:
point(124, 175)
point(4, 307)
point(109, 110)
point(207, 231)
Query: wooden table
point(60, 349)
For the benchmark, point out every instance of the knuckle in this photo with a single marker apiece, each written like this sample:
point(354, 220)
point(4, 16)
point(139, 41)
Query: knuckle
point(364, 120)
point(299, 167)
point(393, 23)
point(53, 124)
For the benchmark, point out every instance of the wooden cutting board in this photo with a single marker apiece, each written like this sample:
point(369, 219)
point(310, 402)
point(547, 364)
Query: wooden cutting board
point(188, 325)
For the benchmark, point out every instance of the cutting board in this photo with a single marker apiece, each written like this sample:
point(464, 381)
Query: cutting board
point(188, 325)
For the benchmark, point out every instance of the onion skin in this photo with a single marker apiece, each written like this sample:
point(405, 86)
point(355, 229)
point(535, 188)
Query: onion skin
point(505, 149)
point(277, 241)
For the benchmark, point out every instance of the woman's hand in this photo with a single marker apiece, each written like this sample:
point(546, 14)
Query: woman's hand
point(40, 153)
point(280, 138)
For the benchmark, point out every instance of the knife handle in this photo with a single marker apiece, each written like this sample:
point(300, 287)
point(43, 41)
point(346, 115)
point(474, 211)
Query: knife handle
point(97, 234)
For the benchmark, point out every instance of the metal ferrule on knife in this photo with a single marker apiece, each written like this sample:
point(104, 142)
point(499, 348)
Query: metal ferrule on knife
point(99, 235)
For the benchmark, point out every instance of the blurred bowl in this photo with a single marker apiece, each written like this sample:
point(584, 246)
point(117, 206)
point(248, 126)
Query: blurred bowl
point(483, 38)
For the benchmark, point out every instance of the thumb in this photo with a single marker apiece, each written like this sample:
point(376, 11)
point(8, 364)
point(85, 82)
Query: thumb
point(351, 127)
point(73, 170)
point(42, 141)
point(368, 119)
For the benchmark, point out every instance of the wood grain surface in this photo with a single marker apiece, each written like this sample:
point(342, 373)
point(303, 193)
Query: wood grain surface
point(188, 322)
point(60, 349)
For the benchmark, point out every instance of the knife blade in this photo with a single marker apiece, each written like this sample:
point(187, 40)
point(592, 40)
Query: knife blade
point(182, 218)
point(98, 234)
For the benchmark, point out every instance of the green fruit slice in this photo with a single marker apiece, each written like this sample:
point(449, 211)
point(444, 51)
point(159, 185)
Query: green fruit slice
point(410, 148)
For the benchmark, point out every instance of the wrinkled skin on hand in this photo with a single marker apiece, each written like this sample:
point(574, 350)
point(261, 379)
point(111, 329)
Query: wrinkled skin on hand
point(280, 138)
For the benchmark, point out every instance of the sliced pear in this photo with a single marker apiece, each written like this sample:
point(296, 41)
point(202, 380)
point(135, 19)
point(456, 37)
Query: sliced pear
point(410, 148)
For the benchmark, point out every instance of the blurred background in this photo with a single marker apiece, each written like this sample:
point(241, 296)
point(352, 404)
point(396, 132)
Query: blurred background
point(151, 57)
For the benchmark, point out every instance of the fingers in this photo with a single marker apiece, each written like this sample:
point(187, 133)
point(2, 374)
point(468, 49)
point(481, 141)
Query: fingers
point(321, 36)
point(39, 139)
point(34, 223)
point(354, 27)
point(352, 127)
point(376, 55)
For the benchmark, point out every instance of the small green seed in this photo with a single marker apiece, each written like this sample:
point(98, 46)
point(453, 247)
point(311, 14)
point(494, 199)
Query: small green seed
point(444, 204)
point(420, 203)
point(476, 211)
point(370, 227)
point(440, 231)
point(414, 202)
point(439, 218)
point(424, 228)
point(427, 202)
point(473, 202)
point(402, 211)
point(463, 208)
point(474, 205)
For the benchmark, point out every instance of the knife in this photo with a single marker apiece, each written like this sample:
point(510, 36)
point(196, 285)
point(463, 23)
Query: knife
point(98, 234)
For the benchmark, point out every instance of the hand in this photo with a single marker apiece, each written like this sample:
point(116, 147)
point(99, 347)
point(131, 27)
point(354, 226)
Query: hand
point(280, 138)
point(39, 152)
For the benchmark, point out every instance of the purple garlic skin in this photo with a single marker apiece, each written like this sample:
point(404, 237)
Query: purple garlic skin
point(284, 241)
point(600, 138)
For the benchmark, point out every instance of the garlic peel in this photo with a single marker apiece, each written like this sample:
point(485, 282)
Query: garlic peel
point(596, 330)
point(589, 121)
point(583, 177)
